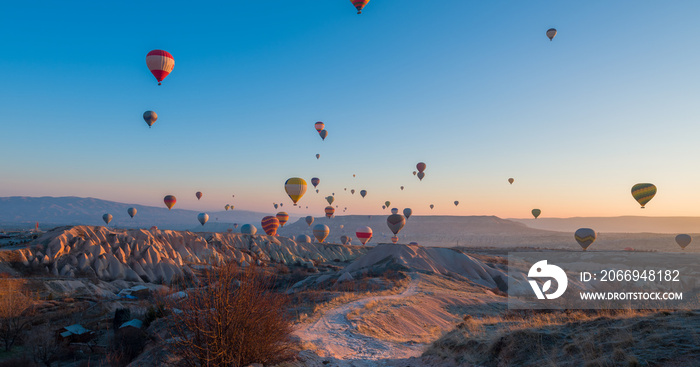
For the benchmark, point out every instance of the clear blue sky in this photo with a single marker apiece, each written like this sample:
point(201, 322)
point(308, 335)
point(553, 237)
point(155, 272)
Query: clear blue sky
point(472, 88)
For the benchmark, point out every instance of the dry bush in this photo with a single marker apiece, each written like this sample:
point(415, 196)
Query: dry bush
point(235, 320)
point(41, 342)
point(15, 310)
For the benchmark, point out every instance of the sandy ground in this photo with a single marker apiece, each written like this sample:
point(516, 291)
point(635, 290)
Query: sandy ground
point(334, 335)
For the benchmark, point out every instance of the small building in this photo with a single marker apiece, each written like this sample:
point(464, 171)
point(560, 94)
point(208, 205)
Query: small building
point(75, 334)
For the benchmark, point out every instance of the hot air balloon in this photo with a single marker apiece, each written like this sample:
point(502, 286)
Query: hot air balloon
point(318, 156)
point(359, 5)
point(383, 206)
point(363, 193)
point(160, 63)
point(395, 222)
point(329, 211)
point(421, 175)
point(321, 231)
point(511, 180)
point(407, 212)
point(420, 167)
point(387, 203)
point(231, 207)
point(585, 237)
point(248, 229)
point(643, 192)
point(352, 191)
point(342, 226)
point(227, 206)
point(364, 234)
point(432, 206)
point(302, 238)
point(345, 239)
point(131, 212)
point(394, 239)
point(270, 225)
point(456, 202)
point(202, 218)
point(330, 199)
point(282, 217)
point(150, 117)
point(536, 213)
point(319, 126)
point(551, 32)
point(296, 188)
point(414, 172)
point(107, 218)
point(401, 188)
point(198, 195)
point(683, 240)
point(317, 191)
point(394, 210)
point(309, 220)
point(235, 225)
point(323, 134)
point(169, 201)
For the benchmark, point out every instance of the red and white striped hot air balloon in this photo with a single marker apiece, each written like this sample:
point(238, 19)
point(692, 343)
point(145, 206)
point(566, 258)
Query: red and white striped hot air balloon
point(160, 63)
point(364, 234)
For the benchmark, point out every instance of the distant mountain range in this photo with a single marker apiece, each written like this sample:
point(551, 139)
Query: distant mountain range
point(624, 224)
point(24, 212)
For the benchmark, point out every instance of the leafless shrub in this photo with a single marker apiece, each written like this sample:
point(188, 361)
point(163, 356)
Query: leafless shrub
point(15, 309)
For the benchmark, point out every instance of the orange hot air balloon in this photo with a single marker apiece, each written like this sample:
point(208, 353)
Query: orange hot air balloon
point(359, 5)
point(198, 195)
point(270, 225)
point(329, 211)
point(160, 63)
point(282, 217)
point(169, 201)
point(319, 126)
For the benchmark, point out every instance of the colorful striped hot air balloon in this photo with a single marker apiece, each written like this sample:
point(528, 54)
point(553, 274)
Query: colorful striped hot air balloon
point(150, 117)
point(107, 218)
point(309, 219)
point(282, 217)
point(248, 229)
point(683, 240)
point(270, 225)
point(395, 223)
point(536, 213)
point(198, 195)
point(329, 211)
point(585, 237)
point(359, 5)
point(295, 188)
point(394, 239)
point(551, 32)
point(321, 231)
point(169, 201)
point(131, 212)
point(364, 234)
point(227, 206)
point(319, 126)
point(160, 63)
point(643, 192)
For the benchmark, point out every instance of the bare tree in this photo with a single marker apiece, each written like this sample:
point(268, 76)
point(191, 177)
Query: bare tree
point(43, 344)
point(15, 307)
point(235, 319)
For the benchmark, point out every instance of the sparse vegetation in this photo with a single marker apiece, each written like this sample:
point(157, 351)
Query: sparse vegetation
point(15, 310)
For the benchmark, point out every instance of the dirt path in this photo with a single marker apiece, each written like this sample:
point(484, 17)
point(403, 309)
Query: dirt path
point(334, 335)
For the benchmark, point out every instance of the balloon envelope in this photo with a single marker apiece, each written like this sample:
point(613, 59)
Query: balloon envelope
point(131, 212)
point(329, 211)
point(295, 188)
point(282, 217)
point(394, 210)
point(318, 156)
point(364, 234)
point(309, 219)
point(394, 239)
point(456, 202)
point(420, 166)
point(421, 175)
point(359, 5)
point(248, 229)
point(302, 238)
point(319, 126)
point(511, 180)
point(198, 195)
point(160, 63)
point(270, 225)
point(551, 32)
point(323, 134)
point(683, 240)
point(643, 192)
point(107, 218)
point(345, 239)
point(407, 212)
point(203, 218)
point(352, 191)
point(330, 199)
point(387, 203)
point(150, 117)
point(169, 201)
point(395, 223)
point(363, 193)
point(321, 231)
point(536, 213)
point(585, 237)
point(432, 206)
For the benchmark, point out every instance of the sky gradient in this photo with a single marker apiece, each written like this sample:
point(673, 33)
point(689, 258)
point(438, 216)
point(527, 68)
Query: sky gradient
point(473, 89)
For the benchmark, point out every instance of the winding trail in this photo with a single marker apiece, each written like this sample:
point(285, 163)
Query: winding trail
point(334, 335)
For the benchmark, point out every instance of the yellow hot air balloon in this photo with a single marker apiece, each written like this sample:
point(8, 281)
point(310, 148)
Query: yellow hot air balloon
point(643, 192)
point(295, 188)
